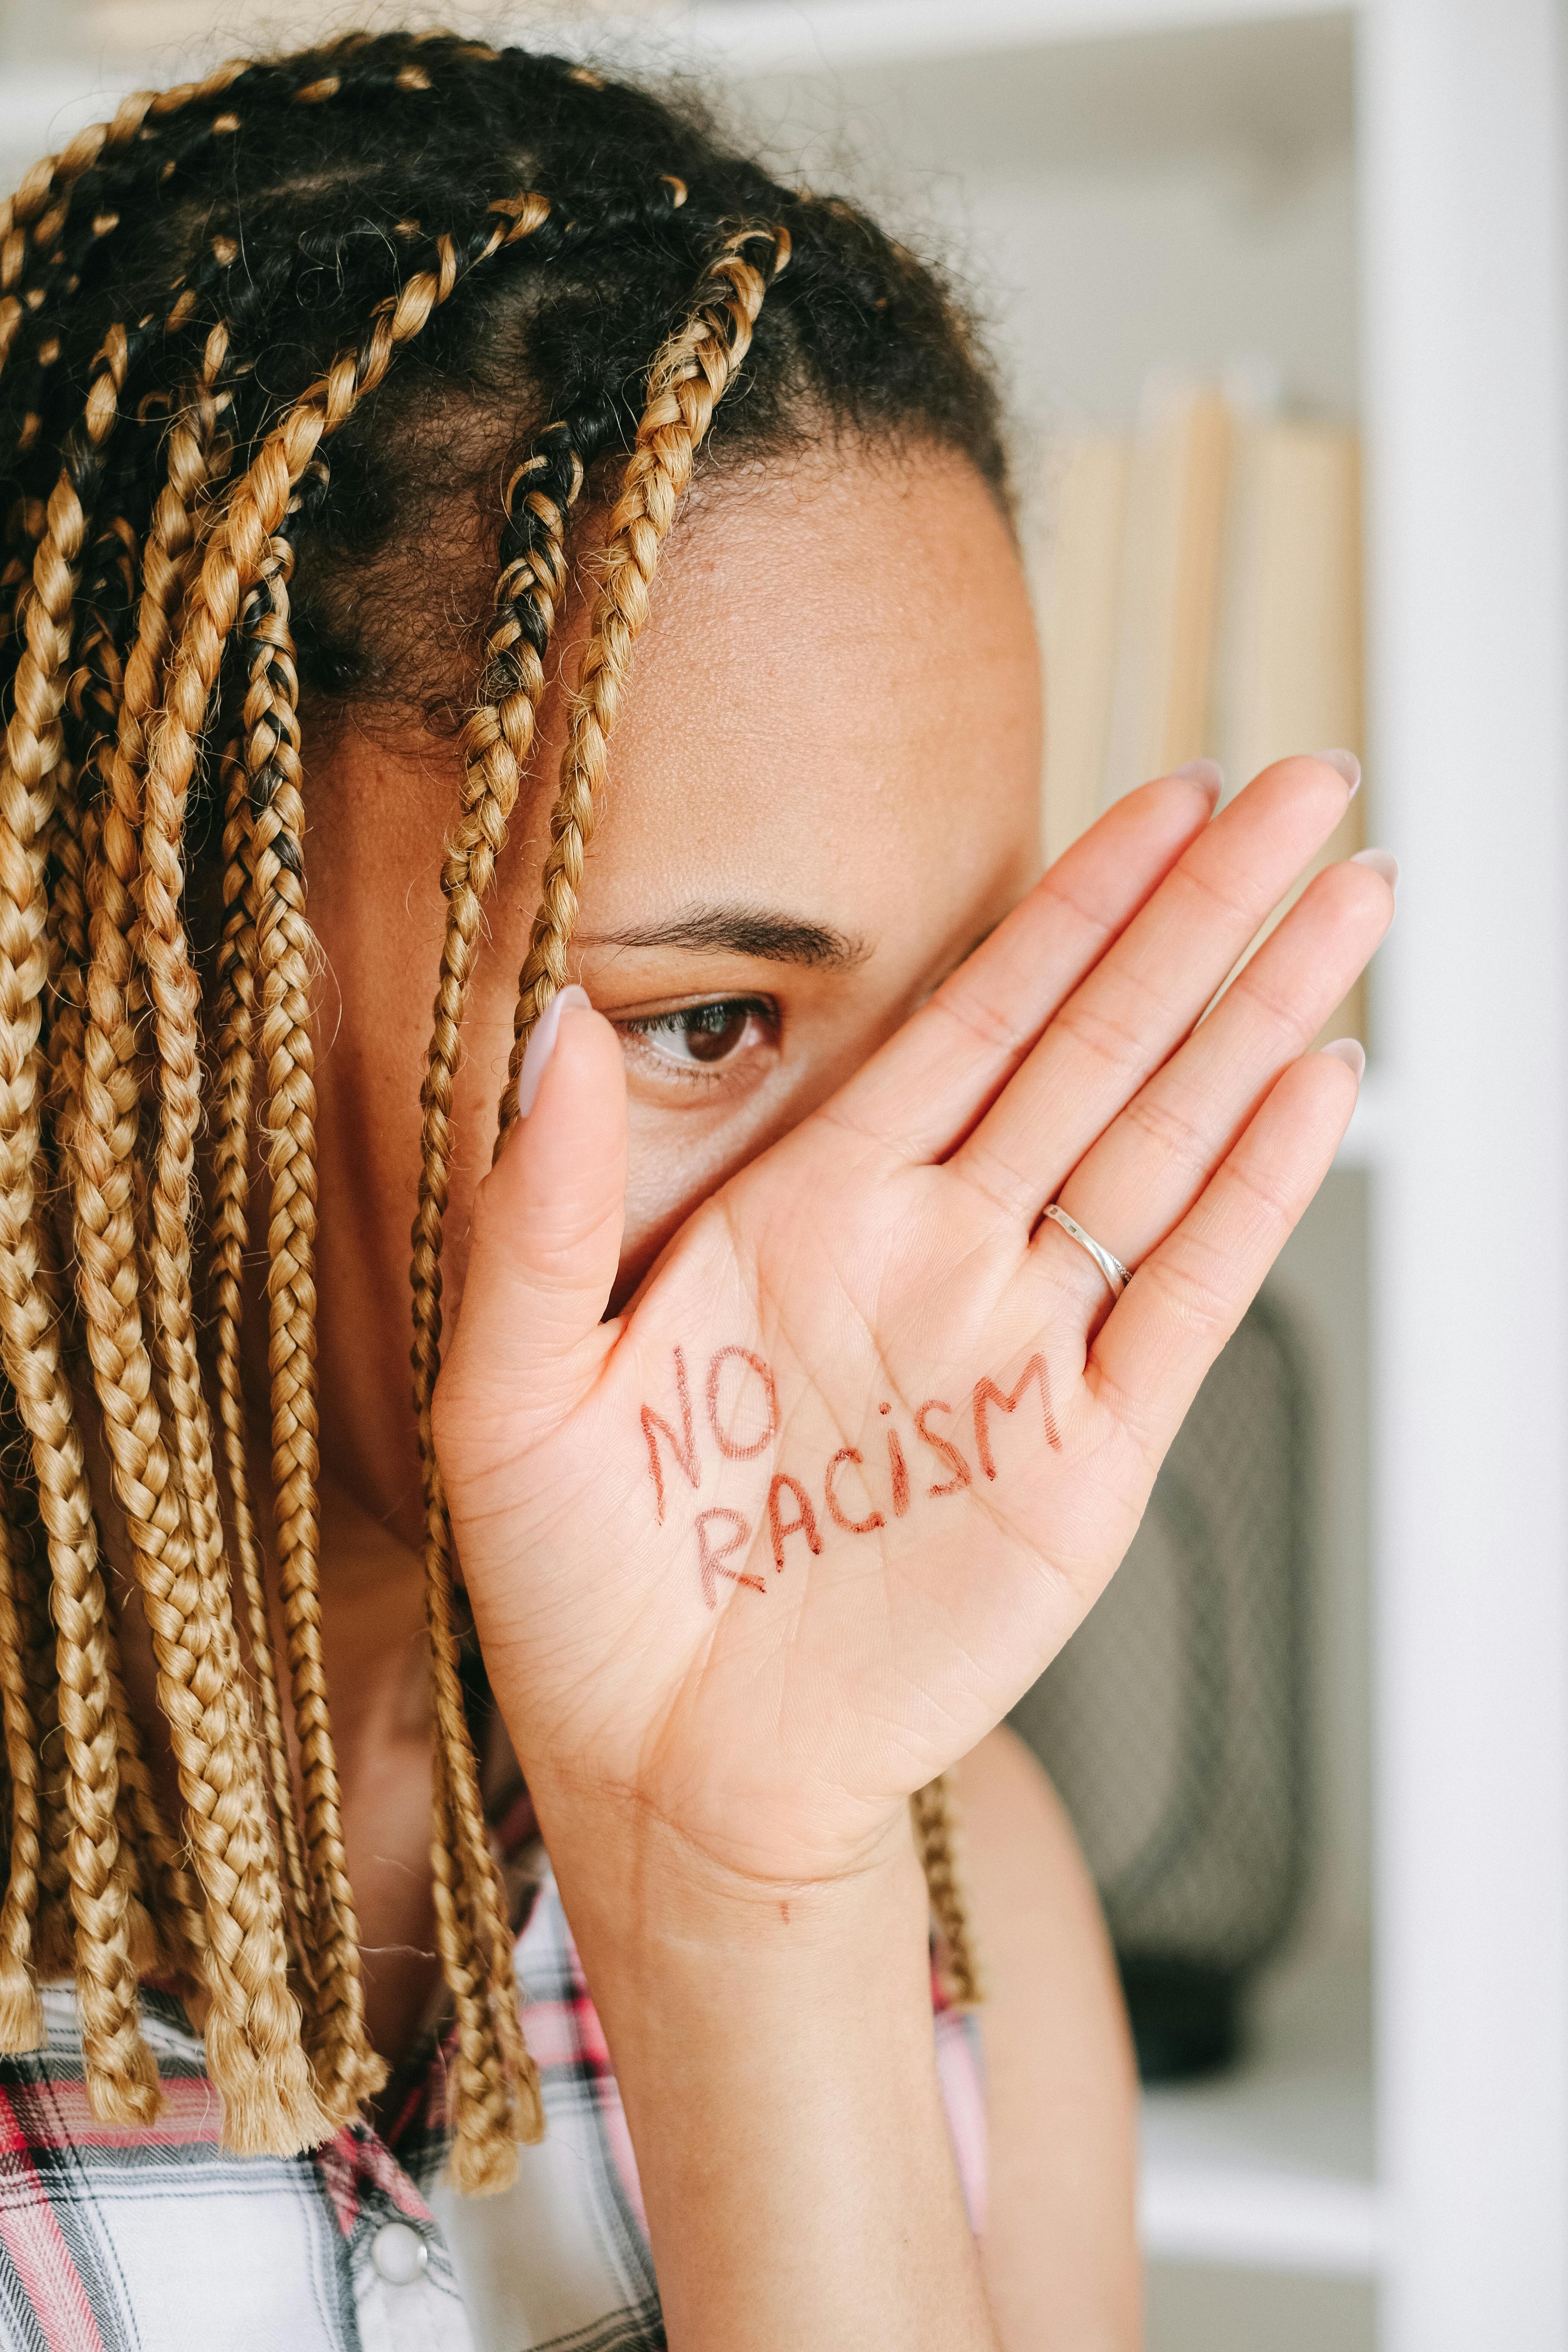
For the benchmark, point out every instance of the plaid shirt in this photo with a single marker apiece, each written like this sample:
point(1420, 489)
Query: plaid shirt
point(119, 2240)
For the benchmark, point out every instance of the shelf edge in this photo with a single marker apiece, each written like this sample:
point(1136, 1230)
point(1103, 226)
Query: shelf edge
point(42, 105)
point(772, 35)
point(1366, 1137)
point(1245, 2220)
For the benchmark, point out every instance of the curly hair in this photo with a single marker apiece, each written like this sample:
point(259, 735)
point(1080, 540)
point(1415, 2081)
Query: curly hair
point(261, 337)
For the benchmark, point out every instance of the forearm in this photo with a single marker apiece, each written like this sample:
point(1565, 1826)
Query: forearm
point(777, 2063)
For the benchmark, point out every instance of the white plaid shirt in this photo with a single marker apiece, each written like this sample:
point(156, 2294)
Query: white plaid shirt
point(121, 2239)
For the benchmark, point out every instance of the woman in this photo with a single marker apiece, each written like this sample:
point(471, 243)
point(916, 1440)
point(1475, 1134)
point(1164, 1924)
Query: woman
point(797, 1407)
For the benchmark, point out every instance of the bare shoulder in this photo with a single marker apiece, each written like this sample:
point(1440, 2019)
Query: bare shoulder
point(1012, 1815)
point(1060, 2249)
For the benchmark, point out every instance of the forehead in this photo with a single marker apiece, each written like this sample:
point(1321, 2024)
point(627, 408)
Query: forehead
point(836, 695)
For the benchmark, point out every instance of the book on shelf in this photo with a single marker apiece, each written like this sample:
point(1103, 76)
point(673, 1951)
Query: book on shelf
point(1079, 578)
point(1200, 596)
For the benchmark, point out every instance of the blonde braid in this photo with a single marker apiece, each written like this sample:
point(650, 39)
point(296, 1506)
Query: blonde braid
point(155, 1873)
point(160, 1913)
point(495, 2090)
point(346, 2069)
point(35, 1663)
point(277, 1912)
point(268, 2099)
point(931, 1808)
point(253, 2041)
point(114, 1096)
point(231, 1228)
point(21, 2012)
point(687, 378)
point(236, 552)
point(35, 214)
point(494, 2095)
point(175, 991)
point(175, 1930)
point(122, 2079)
point(163, 1891)
point(54, 1932)
point(145, 1839)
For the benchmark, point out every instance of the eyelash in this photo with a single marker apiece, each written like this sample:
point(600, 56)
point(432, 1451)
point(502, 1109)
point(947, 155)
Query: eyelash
point(687, 1021)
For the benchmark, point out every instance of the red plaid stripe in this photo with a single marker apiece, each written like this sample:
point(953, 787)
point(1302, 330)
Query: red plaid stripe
point(31, 2236)
point(103, 2228)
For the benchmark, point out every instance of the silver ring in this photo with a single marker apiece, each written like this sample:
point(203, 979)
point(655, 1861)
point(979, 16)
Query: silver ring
point(1115, 1273)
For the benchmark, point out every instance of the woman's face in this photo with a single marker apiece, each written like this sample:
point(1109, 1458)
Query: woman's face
point(823, 791)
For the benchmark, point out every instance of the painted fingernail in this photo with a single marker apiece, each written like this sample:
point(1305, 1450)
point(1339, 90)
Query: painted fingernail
point(1352, 1053)
point(541, 1045)
point(1346, 764)
point(1382, 861)
point(1207, 774)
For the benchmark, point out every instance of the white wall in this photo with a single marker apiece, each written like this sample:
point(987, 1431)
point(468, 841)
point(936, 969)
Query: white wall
point(1186, 198)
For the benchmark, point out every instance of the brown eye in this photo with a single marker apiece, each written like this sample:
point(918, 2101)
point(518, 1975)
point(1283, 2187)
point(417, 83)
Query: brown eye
point(704, 1036)
point(714, 1030)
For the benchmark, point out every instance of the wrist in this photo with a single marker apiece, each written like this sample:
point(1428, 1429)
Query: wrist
point(771, 2042)
point(645, 1899)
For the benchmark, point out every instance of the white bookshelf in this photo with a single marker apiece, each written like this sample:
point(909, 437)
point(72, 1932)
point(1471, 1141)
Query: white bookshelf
point(1272, 2167)
point(1071, 147)
point(1401, 2121)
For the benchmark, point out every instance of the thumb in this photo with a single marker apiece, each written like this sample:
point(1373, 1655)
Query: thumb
point(546, 1236)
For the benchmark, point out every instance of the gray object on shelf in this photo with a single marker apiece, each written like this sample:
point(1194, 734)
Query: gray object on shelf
point(1174, 1722)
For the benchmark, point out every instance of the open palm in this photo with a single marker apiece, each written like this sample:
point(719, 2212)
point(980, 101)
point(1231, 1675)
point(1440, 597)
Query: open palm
point(787, 1538)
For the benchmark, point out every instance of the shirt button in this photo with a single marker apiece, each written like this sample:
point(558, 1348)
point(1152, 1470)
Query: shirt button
point(398, 2253)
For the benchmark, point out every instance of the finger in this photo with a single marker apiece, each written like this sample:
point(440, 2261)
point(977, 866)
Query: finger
point(1185, 1301)
point(1152, 1162)
point(1143, 997)
point(546, 1243)
point(927, 1086)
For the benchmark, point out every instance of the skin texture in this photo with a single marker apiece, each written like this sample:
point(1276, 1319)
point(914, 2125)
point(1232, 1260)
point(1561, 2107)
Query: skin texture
point(1061, 2085)
point(802, 737)
point(835, 722)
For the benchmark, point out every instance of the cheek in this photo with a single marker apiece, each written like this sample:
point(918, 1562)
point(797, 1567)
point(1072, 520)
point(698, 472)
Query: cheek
point(674, 1162)
point(677, 1158)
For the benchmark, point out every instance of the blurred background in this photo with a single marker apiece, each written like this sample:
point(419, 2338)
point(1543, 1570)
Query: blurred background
point(1277, 290)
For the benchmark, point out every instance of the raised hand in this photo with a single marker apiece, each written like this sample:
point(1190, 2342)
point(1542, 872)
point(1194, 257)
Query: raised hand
point(763, 1555)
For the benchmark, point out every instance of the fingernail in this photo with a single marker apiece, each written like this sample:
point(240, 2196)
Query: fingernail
point(1348, 1051)
point(1382, 861)
point(541, 1045)
point(1207, 774)
point(1346, 764)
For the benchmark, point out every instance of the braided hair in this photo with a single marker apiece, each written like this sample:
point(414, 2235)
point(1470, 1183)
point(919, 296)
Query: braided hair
point(257, 334)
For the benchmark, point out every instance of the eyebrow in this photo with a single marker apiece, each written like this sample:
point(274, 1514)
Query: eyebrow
point(765, 932)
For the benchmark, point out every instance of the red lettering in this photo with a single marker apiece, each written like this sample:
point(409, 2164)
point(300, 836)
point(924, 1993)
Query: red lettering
point(726, 1442)
point(834, 1508)
point(803, 1523)
point(901, 1470)
point(951, 1456)
point(986, 1392)
point(711, 1558)
point(683, 1447)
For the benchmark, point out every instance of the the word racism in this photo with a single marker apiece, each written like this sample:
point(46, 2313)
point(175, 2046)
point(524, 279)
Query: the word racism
point(742, 1411)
